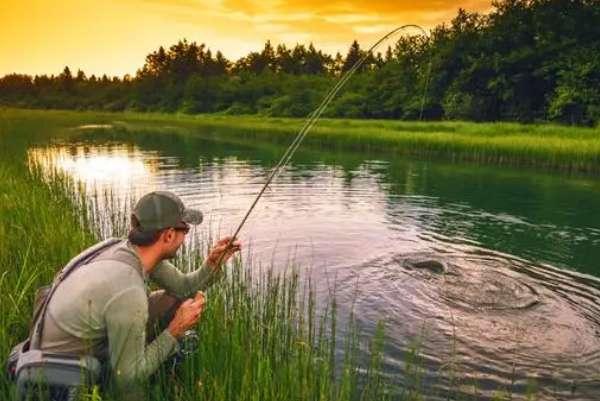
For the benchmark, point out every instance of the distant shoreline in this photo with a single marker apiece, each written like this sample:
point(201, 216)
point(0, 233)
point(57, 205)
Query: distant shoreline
point(543, 146)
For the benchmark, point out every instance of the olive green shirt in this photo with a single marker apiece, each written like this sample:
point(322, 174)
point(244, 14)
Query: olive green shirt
point(101, 308)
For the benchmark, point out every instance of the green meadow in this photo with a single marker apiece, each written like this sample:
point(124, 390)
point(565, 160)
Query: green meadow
point(262, 337)
point(542, 146)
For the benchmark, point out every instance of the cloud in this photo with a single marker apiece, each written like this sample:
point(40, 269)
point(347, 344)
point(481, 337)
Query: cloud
point(330, 25)
point(332, 11)
point(126, 31)
point(381, 7)
point(375, 28)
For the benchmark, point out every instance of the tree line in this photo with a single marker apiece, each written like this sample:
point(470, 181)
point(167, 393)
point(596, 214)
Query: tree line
point(527, 60)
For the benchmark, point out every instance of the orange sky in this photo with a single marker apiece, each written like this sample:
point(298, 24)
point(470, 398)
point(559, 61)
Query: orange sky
point(114, 36)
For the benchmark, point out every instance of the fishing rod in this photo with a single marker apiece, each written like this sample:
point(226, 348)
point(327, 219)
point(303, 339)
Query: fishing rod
point(312, 119)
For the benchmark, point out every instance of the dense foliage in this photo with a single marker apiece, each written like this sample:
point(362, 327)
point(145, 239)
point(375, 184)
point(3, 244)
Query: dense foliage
point(526, 60)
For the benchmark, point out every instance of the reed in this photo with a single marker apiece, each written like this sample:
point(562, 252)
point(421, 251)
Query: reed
point(262, 336)
point(543, 146)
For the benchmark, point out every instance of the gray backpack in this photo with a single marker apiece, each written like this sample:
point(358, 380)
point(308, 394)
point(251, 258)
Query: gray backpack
point(63, 375)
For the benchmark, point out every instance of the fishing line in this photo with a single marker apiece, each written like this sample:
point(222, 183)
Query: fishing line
point(312, 119)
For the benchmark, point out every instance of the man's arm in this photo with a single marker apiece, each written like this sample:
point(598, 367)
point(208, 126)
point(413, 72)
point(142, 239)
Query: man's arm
point(184, 285)
point(132, 361)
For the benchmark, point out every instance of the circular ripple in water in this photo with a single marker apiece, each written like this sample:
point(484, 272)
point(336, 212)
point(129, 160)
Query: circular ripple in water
point(497, 316)
point(480, 287)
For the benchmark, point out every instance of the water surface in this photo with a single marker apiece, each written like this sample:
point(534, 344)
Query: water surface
point(489, 272)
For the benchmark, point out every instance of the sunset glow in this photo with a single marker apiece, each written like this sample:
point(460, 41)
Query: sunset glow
point(113, 37)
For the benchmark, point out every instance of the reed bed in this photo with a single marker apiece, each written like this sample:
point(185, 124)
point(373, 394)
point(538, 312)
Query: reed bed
point(39, 231)
point(262, 335)
point(544, 146)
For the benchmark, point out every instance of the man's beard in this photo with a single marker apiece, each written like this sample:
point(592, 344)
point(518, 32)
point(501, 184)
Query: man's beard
point(171, 255)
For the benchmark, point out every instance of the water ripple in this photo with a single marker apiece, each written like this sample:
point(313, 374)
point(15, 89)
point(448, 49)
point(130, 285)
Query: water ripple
point(408, 243)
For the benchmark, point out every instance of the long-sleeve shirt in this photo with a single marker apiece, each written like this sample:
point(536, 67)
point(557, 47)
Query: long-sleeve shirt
point(102, 309)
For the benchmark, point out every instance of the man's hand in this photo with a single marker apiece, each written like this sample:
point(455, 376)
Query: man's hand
point(187, 315)
point(221, 252)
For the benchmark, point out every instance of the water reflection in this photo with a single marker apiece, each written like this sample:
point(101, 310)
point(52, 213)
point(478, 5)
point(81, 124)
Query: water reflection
point(116, 167)
point(495, 312)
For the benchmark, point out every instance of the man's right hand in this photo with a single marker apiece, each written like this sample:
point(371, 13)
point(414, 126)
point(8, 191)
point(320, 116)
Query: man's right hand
point(187, 315)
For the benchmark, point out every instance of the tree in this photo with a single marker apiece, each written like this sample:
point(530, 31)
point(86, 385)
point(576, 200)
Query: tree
point(80, 76)
point(353, 56)
point(284, 61)
point(525, 60)
point(389, 56)
point(298, 59)
point(184, 60)
point(268, 57)
point(66, 79)
point(576, 98)
point(156, 63)
point(315, 61)
point(338, 64)
point(16, 86)
point(221, 64)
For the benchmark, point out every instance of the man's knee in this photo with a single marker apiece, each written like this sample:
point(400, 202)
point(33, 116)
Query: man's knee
point(161, 309)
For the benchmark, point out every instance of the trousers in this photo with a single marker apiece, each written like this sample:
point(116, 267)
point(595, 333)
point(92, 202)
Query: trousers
point(161, 310)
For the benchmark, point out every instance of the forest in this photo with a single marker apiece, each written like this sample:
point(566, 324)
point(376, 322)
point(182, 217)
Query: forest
point(525, 61)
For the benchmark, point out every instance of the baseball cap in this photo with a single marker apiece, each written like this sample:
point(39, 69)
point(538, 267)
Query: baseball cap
point(162, 209)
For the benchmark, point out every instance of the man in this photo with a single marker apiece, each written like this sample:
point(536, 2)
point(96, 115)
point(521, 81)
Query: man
point(104, 307)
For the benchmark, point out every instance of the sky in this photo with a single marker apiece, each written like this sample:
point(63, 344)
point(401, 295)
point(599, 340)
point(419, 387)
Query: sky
point(113, 37)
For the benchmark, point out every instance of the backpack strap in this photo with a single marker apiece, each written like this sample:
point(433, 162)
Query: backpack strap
point(35, 338)
point(122, 255)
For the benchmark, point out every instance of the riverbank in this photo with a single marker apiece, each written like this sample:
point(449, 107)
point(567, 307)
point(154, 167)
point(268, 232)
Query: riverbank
point(40, 230)
point(278, 345)
point(543, 146)
point(259, 354)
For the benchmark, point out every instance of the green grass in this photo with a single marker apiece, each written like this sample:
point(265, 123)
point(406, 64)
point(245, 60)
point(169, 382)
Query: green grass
point(39, 230)
point(569, 149)
point(261, 336)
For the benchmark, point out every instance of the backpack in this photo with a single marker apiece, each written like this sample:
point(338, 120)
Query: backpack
point(29, 366)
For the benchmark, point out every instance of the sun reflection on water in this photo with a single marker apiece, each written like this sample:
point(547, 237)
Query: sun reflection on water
point(100, 167)
point(111, 177)
point(363, 225)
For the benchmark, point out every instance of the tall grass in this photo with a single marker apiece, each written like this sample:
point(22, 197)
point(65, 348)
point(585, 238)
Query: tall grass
point(39, 230)
point(546, 146)
point(262, 336)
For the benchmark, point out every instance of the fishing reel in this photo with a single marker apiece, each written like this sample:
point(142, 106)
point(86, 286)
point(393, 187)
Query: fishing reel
point(188, 344)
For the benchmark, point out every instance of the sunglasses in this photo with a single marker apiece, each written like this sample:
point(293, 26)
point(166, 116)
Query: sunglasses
point(183, 227)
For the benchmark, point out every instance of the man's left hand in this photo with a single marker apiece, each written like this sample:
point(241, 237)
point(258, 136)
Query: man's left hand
point(222, 252)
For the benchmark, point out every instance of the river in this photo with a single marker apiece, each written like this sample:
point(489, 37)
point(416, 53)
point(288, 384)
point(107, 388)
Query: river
point(490, 273)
